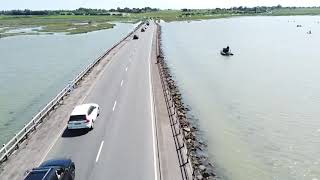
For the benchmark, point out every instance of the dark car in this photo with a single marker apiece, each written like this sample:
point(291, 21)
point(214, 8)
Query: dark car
point(55, 169)
point(142, 29)
point(135, 37)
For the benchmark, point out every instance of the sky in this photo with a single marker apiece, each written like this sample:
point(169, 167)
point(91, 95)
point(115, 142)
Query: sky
point(162, 4)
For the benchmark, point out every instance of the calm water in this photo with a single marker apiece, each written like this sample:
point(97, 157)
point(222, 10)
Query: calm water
point(33, 69)
point(260, 109)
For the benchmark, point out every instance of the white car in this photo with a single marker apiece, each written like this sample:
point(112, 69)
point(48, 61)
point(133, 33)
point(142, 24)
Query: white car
point(83, 116)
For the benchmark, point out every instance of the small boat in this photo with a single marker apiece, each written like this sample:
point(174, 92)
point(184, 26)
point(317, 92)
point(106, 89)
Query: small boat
point(226, 53)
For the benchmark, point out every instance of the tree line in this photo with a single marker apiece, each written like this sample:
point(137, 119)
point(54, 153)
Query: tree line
point(237, 10)
point(79, 11)
point(118, 11)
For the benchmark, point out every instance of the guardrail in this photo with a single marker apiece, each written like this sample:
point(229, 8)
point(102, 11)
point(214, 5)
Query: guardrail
point(179, 138)
point(15, 142)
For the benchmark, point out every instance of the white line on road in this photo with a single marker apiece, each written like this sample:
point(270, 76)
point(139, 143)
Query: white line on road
point(114, 105)
point(63, 129)
point(98, 155)
point(121, 83)
point(152, 119)
point(127, 68)
point(81, 101)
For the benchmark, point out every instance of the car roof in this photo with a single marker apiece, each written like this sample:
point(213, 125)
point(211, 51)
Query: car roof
point(56, 162)
point(82, 109)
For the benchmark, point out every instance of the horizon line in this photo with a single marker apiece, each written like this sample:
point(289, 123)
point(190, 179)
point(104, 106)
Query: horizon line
point(160, 8)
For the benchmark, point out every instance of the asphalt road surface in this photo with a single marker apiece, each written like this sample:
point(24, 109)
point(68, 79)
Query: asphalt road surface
point(122, 144)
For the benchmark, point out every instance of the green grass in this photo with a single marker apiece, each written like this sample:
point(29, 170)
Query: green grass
point(177, 15)
point(295, 11)
point(17, 34)
point(61, 23)
point(89, 29)
point(171, 15)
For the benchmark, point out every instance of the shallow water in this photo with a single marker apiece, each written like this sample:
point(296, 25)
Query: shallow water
point(259, 109)
point(33, 69)
point(23, 30)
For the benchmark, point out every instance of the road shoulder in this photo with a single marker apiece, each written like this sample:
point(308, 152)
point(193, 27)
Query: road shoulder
point(167, 154)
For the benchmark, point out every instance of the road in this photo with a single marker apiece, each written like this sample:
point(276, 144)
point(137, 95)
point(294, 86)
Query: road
point(122, 144)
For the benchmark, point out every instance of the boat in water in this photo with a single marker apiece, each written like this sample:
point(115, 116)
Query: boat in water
point(226, 52)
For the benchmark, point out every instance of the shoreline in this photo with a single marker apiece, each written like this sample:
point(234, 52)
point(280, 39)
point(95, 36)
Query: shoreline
point(68, 28)
point(49, 32)
point(196, 147)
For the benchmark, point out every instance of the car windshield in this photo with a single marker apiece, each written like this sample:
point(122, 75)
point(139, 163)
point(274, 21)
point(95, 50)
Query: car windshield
point(91, 109)
point(77, 118)
point(36, 175)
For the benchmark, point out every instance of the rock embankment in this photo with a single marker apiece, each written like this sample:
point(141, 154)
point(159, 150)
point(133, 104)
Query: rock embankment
point(196, 146)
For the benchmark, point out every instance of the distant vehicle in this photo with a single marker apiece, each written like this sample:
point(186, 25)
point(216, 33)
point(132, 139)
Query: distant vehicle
point(147, 23)
point(299, 25)
point(135, 36)
point(83, 116)
point(142, 29)
point(55, 169)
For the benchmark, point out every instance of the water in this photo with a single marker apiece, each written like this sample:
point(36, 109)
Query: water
point(33, 69)
point(259, 109)
point(24, 30)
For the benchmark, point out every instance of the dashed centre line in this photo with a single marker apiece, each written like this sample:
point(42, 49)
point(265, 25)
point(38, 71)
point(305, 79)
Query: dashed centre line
point(98, 155)
point(114, 106)
point(127, 68)
point(121, 83)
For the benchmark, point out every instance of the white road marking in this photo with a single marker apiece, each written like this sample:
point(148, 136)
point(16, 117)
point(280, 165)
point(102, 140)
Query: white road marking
point(127, 68)
point(63, 129)
point(121, 83)
point(114, 105)
point(81, 102)
point(152, 119)
point(98, 155)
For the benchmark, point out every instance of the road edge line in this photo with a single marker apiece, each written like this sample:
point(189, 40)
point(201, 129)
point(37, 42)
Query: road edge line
point(155, 150)
point(82, 100)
